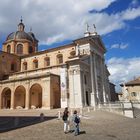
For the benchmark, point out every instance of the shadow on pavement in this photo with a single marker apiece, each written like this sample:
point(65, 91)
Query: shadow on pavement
point(8, 123)
point(82, 132)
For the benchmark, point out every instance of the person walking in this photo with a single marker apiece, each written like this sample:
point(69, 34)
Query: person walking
point(76, 121)
point(65, 118)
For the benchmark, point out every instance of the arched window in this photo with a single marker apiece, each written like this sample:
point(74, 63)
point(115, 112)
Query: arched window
point(72, 53)
point(8, 48)
point(35, 64)
point(59, 59)
point(24, 65)
point(47, 61)
point(19, 49)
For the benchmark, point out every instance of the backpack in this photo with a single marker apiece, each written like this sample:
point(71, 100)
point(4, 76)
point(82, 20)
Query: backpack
point(77, 120)
point(65, 116)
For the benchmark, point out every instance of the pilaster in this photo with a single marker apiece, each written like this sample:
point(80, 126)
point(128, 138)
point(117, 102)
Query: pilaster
point(27, 98)
point(93, 100)
point(12, 96)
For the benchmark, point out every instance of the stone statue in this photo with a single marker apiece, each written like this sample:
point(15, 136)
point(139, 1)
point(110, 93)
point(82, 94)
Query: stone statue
point(125, 93)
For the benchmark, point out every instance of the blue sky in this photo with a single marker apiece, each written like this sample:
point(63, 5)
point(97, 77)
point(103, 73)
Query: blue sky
point(59, 22)
point(129, 35)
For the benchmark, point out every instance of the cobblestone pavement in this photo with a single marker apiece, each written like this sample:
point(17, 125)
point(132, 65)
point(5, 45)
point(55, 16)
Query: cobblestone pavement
point(95, 125)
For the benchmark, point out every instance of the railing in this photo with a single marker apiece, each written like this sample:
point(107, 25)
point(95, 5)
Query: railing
point(116, 107)
point(136, 108)
point(127, 108)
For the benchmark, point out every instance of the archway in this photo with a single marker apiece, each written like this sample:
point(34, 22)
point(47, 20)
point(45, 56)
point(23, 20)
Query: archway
point(36, 96)
point(6, 98)
point(19, 97)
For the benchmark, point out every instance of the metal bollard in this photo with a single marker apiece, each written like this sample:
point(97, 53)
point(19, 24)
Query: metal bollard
point(59, 114)
point(41, 117)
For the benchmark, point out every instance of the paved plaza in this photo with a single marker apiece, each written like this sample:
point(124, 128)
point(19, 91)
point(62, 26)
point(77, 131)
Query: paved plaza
point(95, 125)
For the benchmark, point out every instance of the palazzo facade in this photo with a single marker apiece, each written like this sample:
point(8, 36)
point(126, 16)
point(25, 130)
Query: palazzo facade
point(73, 75)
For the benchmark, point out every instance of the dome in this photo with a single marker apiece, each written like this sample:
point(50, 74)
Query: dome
point(32, 35)
point(20, 35)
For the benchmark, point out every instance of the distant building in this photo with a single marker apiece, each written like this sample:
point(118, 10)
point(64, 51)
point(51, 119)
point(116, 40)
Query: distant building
point(133, 89)
point(113, 94)
point(73, 75)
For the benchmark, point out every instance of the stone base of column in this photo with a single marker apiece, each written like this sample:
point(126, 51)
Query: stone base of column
point(46, 108)
point(64, 103)
point(26, 108)
point(93, 102)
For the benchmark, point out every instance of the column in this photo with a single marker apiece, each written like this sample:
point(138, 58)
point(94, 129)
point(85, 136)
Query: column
point(103, 80)
point(102, 76)
point(95, 79)
point(77, 91)
point(27, 95)
point(27, 100)
point(12, 99)
point(83, 88)
point(93, 102)
point(63, 83)
point(75, 87)
point(82, 85)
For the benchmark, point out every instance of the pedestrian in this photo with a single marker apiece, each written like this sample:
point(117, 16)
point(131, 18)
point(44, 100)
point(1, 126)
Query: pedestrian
point(76, 121)
point(65, 118)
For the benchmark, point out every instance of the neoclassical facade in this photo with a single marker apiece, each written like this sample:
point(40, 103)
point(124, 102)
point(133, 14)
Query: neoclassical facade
point(73, 75)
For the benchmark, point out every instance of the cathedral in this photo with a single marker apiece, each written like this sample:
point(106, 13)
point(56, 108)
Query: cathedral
point(72, 75)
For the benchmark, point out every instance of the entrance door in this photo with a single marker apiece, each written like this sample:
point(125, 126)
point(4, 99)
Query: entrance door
point(87, 98)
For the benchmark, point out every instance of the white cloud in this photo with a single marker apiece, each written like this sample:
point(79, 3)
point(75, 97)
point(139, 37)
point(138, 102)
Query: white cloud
point(57, 20)
point(51, 20)
point(119, 46)
point(123, 70)
point(130, 14)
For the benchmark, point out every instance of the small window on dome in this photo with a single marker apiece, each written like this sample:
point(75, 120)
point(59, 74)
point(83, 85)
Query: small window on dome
point(8, 48)
point(19, 49)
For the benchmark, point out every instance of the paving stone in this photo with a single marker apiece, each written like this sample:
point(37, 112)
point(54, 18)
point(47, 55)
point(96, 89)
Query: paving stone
point(95, 125)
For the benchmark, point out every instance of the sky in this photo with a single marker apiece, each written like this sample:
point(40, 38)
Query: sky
point(58, 22)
